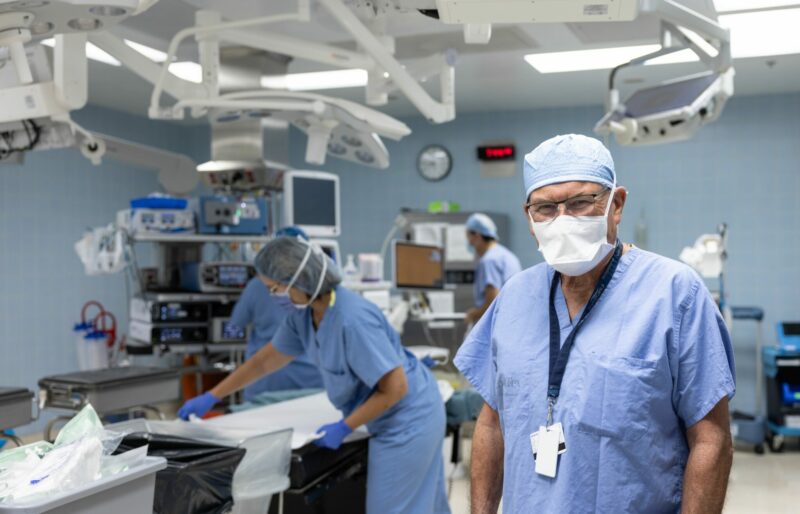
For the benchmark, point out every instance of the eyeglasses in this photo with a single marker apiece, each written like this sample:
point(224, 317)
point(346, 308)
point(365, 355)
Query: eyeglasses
point(581, 205)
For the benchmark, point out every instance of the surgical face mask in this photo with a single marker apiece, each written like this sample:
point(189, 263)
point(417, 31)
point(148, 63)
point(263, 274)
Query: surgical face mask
point(283, 300)
point(574, 245)
point(283, 297)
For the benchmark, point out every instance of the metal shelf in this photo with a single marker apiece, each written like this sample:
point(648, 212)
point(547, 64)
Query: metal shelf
point(368, 286)
point(185, 296)
point(198, 238)
point(190, 348)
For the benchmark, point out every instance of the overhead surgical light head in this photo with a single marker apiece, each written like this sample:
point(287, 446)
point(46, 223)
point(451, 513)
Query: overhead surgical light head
point(40, 90)
point(336, 127)
point(672, 111)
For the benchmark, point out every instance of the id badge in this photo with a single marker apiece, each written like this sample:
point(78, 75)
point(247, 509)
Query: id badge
point(547, 444)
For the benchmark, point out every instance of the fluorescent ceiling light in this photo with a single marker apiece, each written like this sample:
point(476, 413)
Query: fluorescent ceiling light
point(763, 33)
point(187, 70)
point(749, 5)
point(149, 52)
point(92, 52)
point(600, 58)
point(316, 80)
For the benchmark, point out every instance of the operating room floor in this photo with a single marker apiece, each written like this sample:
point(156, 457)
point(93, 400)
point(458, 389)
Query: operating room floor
point(758, 484)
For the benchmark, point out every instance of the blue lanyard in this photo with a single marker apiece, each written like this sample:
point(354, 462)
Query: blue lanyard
point(559, 355)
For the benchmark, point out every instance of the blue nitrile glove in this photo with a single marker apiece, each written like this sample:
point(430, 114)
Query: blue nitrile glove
point(199, 406)
point(428, 361)
point(334, 435)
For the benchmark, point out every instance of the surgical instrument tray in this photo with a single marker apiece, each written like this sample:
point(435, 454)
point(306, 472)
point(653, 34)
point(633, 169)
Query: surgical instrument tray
point(16, 407)
point(110, 390)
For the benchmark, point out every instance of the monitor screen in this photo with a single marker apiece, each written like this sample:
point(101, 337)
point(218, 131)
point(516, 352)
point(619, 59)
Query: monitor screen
point(232, 332)
point(791, 329)
point(418, 266)
point(314, 201)
point(667, 97)
point(233, 276)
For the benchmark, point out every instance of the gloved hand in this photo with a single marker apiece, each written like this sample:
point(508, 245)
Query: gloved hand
point(199, 406)
point(428, 361)
point(334, 434)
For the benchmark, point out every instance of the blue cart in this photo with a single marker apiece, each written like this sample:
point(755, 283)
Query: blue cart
point(782, 373)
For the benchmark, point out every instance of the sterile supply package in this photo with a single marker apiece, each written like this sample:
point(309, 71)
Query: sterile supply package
point(81, 454)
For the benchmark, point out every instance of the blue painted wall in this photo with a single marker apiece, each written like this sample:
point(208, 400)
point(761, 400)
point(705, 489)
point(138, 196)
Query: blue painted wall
point(743, 170)
point(47, 203)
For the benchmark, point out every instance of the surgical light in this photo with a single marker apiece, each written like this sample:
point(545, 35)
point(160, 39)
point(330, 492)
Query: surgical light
point(753, 34)
point(316, 80)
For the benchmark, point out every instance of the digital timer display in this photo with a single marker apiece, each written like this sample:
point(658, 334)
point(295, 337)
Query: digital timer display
point(496, 153)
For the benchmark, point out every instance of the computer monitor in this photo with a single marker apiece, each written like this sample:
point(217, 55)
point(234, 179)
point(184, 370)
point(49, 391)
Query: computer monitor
point(330, 247)
point(417, 266)
point(311, 202)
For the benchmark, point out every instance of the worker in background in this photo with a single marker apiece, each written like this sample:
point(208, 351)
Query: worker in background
point(258, 308)
point(496, 263)
point(367, 374)
point(610, 364)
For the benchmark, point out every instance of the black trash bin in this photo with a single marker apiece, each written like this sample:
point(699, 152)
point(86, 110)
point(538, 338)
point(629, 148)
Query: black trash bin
point(199, 475)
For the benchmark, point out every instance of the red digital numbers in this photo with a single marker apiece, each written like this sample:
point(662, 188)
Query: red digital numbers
point(496, 153)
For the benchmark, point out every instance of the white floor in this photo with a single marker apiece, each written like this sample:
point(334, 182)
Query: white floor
point(759, 484)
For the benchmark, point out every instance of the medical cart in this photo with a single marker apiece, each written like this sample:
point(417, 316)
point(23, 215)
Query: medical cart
point(16, 409)
point(782, 370)
point(109, 391)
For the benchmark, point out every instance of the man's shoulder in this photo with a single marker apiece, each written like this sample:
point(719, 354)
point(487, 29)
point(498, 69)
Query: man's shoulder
point(661, 271)
point(526, 279)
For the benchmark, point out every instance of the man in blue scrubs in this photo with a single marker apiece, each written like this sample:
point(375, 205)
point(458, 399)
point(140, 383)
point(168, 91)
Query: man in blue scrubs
point(496, 263)
point(612, 361)
point(257, 308)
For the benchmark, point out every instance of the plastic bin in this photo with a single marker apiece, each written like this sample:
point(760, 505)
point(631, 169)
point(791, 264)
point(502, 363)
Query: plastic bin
point(264, 471)
point(199, 475)
point(129, 492)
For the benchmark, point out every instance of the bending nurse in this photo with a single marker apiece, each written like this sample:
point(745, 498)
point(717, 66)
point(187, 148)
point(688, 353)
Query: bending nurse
point(260, 310)
point(367, 374)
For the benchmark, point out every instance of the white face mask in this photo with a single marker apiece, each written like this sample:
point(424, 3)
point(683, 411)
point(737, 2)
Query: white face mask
point(574, 245)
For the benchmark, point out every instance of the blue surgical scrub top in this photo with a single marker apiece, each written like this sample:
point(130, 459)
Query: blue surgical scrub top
point(494, 268)
point(653, 358)
point(258, 308)
point(354, 348)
